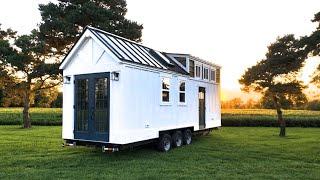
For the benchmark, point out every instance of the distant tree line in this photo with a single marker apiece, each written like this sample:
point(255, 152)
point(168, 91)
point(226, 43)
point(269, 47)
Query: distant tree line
point(265, 103)
point(49, 98)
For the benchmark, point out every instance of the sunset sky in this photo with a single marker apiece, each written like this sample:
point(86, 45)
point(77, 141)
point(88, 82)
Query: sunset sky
point(232, 33)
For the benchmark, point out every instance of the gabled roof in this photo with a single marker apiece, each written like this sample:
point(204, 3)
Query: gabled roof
point(133, 52)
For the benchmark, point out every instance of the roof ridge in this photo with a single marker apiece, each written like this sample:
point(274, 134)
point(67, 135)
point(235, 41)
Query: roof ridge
point(103, 31)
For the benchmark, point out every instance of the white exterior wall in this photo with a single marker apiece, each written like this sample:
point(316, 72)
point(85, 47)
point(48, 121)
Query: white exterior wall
point(136, 112)
point(141, 114)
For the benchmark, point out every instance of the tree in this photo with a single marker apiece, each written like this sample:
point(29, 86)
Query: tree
point(63, 22)
point(27, 67)
point(277, 73)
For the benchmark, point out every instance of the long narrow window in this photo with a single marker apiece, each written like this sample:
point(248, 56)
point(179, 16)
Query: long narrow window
point(213, 75)
point(182, 92)
point(198, 71)
point(206, 73)
point(165, 92)
point(191, 68)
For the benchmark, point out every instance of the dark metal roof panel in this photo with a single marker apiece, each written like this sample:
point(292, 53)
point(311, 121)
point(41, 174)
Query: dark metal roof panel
point(129, 51)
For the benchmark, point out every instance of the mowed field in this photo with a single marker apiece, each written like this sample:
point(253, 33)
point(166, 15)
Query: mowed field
point(230, 117)
point(268, 117)
point(270, 114)
point(228, 153)
point(39, 116)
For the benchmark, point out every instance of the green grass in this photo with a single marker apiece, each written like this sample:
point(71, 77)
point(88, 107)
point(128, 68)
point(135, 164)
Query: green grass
point(229, 153)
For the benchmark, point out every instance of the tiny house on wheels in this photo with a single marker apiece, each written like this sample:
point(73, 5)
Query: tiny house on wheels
point(118, 93)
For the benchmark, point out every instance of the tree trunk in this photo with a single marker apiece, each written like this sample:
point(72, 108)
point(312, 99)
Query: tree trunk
point(26, 108)
point(281, 121)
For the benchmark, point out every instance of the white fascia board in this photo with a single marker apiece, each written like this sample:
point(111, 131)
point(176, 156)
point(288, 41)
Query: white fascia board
point(86, 35)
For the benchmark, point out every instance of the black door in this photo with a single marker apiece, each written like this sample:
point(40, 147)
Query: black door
point(92, 104)
point(202, 107)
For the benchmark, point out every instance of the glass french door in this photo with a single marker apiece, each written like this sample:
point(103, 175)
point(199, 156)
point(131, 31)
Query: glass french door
point(91, 110)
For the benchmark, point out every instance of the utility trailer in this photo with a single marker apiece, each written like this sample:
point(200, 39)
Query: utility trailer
point(118, 93)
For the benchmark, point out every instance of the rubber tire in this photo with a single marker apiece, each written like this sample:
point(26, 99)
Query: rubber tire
point(175, 137)
point(186, 134)
point(164, 138)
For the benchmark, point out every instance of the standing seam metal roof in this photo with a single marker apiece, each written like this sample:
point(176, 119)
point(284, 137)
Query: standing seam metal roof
point(129, 51)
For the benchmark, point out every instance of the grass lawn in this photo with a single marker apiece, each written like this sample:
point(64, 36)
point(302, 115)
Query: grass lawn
point(229, 153)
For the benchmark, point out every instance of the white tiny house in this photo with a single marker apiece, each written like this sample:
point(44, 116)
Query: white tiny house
point(117, 92)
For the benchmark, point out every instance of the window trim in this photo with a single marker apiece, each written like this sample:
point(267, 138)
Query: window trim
point(185, 93)
point(165, 103)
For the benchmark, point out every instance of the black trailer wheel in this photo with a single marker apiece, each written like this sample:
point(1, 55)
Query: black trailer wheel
point(187, 137)
point(177, 139)
point(164, 143)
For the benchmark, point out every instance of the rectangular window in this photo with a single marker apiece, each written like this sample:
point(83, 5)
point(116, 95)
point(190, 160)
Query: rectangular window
point(165, 92)
point(191, 68)
point(206, 73)
point(198, 71)
point(182, 92)
point(212, 75)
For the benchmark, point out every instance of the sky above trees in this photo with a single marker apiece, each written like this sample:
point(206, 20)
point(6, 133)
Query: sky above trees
point(234, 34)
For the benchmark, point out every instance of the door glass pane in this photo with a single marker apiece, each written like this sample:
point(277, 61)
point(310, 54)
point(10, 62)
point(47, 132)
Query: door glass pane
point(101, 104)
point(82, 107)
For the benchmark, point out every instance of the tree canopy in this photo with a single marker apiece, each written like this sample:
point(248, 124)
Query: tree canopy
point(63, 22)
point(312, 46)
